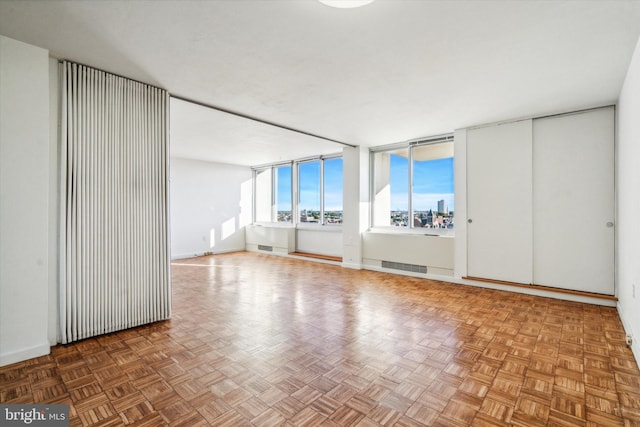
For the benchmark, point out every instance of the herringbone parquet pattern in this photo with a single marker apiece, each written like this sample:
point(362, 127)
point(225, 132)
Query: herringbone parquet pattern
point(264, 340)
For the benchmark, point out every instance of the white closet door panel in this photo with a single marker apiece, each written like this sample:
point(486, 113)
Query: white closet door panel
point(499, 202)
point(573, 201)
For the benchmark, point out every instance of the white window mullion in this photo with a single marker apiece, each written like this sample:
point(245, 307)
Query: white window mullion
point(295, 186)
point(274, 190)
point(410, 192)
point(322, 192)
point(254, 197)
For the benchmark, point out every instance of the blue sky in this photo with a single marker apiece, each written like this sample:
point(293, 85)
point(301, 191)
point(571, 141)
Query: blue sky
point(433, 181)
point(310, 185)
point(284, 188)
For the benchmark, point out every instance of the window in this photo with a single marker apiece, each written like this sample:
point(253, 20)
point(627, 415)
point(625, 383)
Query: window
point(432, 186)
point(283, 193)
point(320, 191)
point(391, 197)
point(332, 191)
point(309, 185)
point(319, 183)
point(412, 186)
point(263, 193)
point(272, 194)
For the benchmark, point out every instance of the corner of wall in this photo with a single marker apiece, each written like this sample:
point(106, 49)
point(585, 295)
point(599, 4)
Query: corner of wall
point(627, 203)
point(460, 212)
point(630, 330)
point(25, 221)
point(54, 201)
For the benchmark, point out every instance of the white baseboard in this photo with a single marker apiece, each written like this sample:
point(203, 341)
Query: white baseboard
point(310, 259)
point(428, 276)
point(24, 354)
point(496, 286)
point(185, 256)
point(351, 265)
point(536, 292)
point(635, 335)
point(198, 254)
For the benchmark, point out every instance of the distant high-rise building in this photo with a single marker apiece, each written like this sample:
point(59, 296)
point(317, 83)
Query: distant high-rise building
point(442, 207)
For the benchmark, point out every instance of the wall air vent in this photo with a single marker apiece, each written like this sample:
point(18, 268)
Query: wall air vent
point(265, 248)
point(405, 267)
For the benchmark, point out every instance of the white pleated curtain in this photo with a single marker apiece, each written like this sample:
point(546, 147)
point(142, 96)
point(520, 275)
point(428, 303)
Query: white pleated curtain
point(114, 202)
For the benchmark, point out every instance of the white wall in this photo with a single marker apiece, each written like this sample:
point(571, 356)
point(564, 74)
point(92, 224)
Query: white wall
point(324, 240)
point(460, 195)
point(355, 204)
point(210, 206)
point(24, 201)
point(628, 208)
point(282, 239)
point(434, 252)
point(54, 201)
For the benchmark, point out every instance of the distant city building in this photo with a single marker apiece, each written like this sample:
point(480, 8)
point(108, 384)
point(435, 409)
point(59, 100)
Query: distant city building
point(442, 207)
point(423, 219)
point(430, 218)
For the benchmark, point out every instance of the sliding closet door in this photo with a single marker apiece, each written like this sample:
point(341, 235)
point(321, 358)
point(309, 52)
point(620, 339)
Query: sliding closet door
point(499, 236)
point(573, 201)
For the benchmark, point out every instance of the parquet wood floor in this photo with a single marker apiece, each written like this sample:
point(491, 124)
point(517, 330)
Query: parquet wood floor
point(264, 340)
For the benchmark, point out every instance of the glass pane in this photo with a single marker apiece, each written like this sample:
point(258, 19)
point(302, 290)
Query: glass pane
point(263, 195)
point(283, 193)
point(391, 185)
point(333, 191)
point(309, 184)
point(432, 190)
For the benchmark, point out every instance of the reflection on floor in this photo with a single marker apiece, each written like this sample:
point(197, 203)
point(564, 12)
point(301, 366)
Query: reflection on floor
point(265, 340)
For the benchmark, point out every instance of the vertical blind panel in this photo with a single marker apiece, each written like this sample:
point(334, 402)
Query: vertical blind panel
point(114, 239)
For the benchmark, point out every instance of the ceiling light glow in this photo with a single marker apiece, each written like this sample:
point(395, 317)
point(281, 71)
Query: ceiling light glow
point(345, 4)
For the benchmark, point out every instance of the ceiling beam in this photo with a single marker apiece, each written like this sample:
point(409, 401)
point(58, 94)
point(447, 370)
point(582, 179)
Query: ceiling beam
point(255, 119)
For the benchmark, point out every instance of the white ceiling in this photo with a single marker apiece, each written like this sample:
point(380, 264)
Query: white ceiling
point(390, 71)
point(206, 134)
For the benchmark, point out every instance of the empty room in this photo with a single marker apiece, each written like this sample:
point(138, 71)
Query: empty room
point(320, 213)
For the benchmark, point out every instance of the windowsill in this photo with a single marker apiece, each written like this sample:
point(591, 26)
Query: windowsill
point(329, 228)
point(273, 224)
point(428, 232)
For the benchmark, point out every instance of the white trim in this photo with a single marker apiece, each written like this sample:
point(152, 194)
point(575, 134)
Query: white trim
point(311, 259)
point(534, 117)
point(25, 354)
point(497, 286)
point(427, 140)
point(428, 276)
point(200, 254)
point(536, 292)
point(281, 224)
point(412, 231)
point(628, 327)
point(313, 226)
point(353, 266)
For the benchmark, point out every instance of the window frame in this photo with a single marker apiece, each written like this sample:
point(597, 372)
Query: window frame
point(322, 221)
point(274, 192)
point(410, 146)
point(295, 193)
point(273, 211)
point(323, 192)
